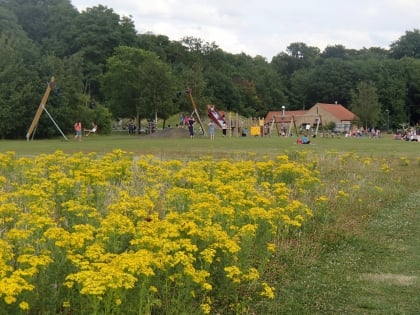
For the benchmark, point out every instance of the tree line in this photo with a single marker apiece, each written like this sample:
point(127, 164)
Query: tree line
point(105, 69)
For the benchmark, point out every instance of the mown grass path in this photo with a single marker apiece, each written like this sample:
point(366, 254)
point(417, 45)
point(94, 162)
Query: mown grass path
point(375, 270)
point(392, 286)
point(360, 257)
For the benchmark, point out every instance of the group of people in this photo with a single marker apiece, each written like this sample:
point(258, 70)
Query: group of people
point(408, 135)
point(189, 121)
point(304, 140)
point(212, 128)
point(131, 127)
point(78, 130)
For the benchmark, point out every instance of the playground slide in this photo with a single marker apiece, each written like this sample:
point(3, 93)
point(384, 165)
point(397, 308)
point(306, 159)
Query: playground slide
point(215, 115)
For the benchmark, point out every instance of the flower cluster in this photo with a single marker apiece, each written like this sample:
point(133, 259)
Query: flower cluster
point(90, 234)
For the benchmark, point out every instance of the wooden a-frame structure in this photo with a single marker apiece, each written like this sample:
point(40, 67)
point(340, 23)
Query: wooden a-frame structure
point(195, 111)
point(41, 108)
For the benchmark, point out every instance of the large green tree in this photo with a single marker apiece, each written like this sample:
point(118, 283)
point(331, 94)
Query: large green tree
point(412, 70)
point(18, 77)
point(99, 31)
point(365, 104)
point(332, 81)
point(50, 24)
point(138, 84)
point(297, 56)
point(407, 45)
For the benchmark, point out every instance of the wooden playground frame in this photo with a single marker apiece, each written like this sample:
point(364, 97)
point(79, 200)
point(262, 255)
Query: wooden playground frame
point(41, 107)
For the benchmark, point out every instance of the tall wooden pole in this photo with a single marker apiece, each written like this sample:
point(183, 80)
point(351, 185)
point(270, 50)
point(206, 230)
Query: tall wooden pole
point(40, 108)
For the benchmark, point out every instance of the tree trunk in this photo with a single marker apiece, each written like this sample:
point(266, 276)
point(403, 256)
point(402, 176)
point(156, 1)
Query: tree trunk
point(138, 122)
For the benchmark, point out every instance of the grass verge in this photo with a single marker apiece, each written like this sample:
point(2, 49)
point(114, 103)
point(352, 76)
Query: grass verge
point(361, 254)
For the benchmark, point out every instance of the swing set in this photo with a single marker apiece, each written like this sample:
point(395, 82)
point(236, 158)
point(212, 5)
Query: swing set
point(317, 122)
point(212, 113)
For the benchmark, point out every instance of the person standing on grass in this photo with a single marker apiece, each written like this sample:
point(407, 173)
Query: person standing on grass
point(211, 130)
point(224, 129)
point(191, 122)
point(78, 131)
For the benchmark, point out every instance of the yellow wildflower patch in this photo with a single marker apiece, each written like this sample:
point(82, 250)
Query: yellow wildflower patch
point(104, 228)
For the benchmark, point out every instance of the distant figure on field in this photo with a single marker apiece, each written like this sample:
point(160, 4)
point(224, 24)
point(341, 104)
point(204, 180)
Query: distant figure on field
point(211, 130)
point(131, 127)
point(305, 140)
point(93, 130)
point(224, 129)
point(191, 122)
point(78, 131)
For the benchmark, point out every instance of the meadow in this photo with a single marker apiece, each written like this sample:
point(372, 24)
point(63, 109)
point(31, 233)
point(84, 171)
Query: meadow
point(125, 224)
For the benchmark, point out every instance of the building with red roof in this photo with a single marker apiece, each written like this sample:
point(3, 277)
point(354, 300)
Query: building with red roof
point(321, 114)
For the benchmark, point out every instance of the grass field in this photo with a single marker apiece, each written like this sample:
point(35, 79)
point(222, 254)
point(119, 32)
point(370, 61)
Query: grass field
point(359, 255)
point(221, 147)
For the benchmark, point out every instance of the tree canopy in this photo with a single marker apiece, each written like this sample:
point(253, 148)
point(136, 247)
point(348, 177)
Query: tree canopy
point(365, 104)
point(138, 82)
point(105, 69)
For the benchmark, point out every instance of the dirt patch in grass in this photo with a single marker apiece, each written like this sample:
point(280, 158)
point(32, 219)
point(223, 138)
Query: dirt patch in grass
point(171, 133)
point(394, 279)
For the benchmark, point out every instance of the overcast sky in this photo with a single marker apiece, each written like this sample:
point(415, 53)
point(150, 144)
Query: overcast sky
point(267, 27)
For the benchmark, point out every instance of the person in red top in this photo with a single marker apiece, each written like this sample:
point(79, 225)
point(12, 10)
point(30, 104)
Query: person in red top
point(78, 131)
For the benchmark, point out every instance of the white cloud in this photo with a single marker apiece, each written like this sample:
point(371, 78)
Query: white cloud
point(267, 27)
